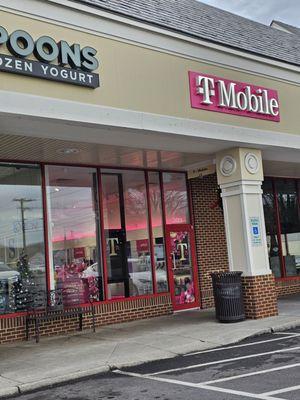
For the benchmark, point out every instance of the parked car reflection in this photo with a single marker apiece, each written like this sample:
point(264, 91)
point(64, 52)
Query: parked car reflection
point(8, 277)
point(8, 274)
point(141, 281)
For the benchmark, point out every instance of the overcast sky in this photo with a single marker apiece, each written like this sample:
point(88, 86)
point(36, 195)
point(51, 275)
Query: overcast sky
point(262, 10)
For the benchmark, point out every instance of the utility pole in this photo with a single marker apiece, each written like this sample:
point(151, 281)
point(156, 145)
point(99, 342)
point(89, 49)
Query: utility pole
point(23, 208)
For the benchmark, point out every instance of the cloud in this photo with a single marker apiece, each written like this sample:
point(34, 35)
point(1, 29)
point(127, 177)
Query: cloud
point(262, 10)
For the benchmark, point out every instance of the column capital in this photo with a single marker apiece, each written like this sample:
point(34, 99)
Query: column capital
point(239, 164)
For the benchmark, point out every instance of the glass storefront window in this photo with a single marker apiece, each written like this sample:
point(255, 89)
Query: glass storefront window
point(115, 235)
point(289, 214)
point(126, 233)
point(271, 228)
point(282, 214)
point(74, 231)
point(137, 234)
point(176, 198)
point(22, 254)
point(158, 232)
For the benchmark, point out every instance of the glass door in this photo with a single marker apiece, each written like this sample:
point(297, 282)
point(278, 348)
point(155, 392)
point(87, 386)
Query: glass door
point(115, 235)
point(182, 266)
point(126, 233)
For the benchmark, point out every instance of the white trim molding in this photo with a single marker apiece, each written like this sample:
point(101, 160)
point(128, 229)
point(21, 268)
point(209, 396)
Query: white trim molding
point(214, 136)
point(241, 187)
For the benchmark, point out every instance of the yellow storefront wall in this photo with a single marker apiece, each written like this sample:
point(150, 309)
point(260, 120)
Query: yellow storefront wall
point(140, 79)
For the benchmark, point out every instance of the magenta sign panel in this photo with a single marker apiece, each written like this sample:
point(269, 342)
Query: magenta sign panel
point(212, 93)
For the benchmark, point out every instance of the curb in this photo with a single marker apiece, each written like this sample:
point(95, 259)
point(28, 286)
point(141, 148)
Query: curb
point(285, 326)
point(24, 388)
point(50, 382)
point(9, 392)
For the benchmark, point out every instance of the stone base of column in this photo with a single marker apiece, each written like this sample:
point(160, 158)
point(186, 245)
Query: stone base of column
point(260, 297)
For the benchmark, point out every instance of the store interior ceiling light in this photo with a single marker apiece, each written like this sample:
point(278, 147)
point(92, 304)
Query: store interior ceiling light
point(68, 151)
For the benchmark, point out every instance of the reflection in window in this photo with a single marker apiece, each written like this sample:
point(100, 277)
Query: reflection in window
point(271, 228)
point(158, 232)
point(115, 235)
point(22, 257)
point(73, 221)
point(182, 267)
point(137, 235)
point(176, 198)
point(126, 233)
point(290, 224)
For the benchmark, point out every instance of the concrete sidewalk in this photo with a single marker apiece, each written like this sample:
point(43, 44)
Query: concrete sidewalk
point(26, 366)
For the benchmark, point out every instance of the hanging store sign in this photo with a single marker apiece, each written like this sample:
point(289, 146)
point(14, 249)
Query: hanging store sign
point(59, 62)
point(212, 93)
point(200, 172)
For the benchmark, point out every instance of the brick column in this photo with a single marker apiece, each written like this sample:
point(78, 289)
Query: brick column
point(209, 234)
point(240, 177)
point(260, 296)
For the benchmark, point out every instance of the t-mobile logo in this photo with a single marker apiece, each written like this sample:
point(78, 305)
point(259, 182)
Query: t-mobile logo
point(206, 87)
point(212, 93)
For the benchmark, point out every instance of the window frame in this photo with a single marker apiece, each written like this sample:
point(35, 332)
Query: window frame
point(39, 166)
point(273, 180)
point(43, 165)
point(97, 217)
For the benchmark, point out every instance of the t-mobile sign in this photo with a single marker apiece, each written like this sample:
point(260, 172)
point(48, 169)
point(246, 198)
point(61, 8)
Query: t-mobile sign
point(212, 93)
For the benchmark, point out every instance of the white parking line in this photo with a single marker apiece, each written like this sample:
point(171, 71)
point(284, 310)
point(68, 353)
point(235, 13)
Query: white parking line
point(286, 333)
point(227, 360)
point(284, 390)
point(200, 386)
point(242, 345)
point(240, 393)
point(264, 371)
point(157, 378)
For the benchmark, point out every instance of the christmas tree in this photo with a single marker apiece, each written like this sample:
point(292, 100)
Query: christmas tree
point(21, 295)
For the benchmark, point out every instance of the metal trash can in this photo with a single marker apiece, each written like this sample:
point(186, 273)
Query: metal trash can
point(228, 294)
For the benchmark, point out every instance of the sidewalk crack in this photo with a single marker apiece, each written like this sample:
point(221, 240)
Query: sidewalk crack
point(112, 352)
point(10, 379)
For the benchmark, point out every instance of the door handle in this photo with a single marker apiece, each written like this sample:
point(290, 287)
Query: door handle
point(173, 259)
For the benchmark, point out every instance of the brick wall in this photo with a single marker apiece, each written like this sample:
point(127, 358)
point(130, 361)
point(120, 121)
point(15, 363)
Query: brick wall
point(13, 328)
point(288, 287)
point(260, 298)
point(212, 254)
point(209, 234)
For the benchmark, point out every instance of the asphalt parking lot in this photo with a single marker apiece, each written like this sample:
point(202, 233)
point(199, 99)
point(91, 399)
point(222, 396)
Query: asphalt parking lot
point(266, 367)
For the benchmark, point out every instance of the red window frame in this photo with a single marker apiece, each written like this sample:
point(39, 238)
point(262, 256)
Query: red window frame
point(43, 165)
point(273, 180)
